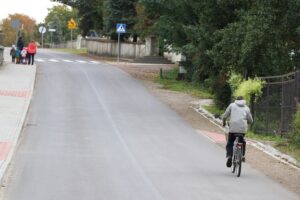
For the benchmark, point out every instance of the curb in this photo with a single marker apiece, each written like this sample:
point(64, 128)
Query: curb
point(284, 158)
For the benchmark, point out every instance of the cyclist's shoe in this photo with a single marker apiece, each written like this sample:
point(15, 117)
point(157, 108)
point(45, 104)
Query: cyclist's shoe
point(229, 162)
point(243, 159)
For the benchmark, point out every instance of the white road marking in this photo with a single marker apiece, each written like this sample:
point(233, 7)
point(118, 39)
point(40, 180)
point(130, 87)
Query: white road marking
point(68, 61)
point(81, 61)
point(53, 60)
point(94, 62)
point(39, 60)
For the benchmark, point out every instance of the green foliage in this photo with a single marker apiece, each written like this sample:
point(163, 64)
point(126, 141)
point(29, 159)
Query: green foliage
point(222, 92)
point(73, 51)
point(295, 136)
point(90, 13)
point(251, 38)
point(208, 84)
point(249, 87)
point(297, 119)
point(119, 11)
point(234, 81)
point(213, 109)
point(57, 18)
point(171, 83)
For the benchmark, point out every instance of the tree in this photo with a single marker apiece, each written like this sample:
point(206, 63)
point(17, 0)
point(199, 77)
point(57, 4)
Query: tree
point(58, 18)
point(90, 14)
point(260, 41)
point(119, 11)
point(27, 29)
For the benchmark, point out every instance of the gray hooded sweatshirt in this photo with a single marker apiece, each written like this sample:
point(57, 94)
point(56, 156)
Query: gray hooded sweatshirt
point(240, 116)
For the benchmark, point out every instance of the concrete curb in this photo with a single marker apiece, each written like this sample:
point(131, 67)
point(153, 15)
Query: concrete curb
point(284, 158)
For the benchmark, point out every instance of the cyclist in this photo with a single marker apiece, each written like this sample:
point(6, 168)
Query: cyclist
point(240, 116)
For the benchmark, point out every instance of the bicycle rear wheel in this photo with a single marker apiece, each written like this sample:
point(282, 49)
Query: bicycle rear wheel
point(233, 166)
point(238, 164)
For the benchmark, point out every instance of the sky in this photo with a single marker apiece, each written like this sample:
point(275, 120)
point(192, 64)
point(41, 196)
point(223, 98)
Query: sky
point(36, 9)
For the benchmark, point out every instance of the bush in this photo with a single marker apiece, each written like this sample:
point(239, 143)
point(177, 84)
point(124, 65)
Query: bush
point(234, 81)
point(248, 88)
point(296, 122)
point(295, 136)
point(208, 84)
point(222, 91)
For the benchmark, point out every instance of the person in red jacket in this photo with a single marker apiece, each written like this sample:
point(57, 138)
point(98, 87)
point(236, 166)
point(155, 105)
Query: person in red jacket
point(31, 51)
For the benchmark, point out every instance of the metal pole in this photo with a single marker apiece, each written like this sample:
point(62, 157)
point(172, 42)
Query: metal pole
point(118, 47)
point(51, 40)
point(17, 33)
point(71, 38)
point(42, 40)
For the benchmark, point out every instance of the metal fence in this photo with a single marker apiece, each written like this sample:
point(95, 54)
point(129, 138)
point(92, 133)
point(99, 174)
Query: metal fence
point(274, 111)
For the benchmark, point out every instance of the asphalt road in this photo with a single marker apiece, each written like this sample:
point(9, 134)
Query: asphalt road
point(95, 133)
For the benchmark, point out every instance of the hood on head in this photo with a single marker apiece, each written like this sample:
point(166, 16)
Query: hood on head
point(240, 103)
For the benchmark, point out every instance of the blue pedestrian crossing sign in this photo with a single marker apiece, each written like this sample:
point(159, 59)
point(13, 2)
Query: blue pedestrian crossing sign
point(121, 28)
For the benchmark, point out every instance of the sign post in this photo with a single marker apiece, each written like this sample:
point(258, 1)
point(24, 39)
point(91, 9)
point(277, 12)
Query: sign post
point(72, 25)
point(51, 30)
point(16, 25)
point(42, 30)
point(121, 28)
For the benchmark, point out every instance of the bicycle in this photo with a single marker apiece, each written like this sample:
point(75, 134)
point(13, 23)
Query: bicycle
point(237, 157)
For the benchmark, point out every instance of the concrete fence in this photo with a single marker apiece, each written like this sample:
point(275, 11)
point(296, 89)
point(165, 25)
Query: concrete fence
point(103, 47)
point(174, 57)
point(106, 47)
point(76, 44)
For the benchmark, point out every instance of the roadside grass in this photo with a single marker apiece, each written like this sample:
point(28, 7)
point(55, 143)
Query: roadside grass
point(73, 51)
point(290, 148)
point(213, 109)
point(168, 81)
point(285, 144)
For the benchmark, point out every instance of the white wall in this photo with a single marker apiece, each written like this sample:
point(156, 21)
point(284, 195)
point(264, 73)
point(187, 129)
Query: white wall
point(105, 47)
point(174, 57)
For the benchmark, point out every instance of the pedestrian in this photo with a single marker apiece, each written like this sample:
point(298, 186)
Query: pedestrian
point(13, 53)
point(23, 56)
point(20, 44)
point(240, 116)
point(31, 50)
point(18, 56)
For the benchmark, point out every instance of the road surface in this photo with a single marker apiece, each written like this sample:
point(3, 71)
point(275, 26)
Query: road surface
point(95, 133)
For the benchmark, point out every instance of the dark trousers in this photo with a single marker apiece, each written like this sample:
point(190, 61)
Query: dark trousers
point(30, 58)
point(13, 58)
point(230, 142)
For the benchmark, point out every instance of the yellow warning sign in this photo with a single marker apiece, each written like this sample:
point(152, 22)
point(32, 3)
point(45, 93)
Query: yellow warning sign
point(72, 24)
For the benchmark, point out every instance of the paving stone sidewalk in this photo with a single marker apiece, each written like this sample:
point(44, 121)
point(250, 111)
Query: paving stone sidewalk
point(16, 88)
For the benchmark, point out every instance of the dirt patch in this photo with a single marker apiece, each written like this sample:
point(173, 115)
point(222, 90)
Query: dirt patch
point(182, 103)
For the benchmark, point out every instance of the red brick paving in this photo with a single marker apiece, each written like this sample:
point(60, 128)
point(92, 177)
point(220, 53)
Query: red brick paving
point(216, 137)
point(14, 93)
point(4, 149)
